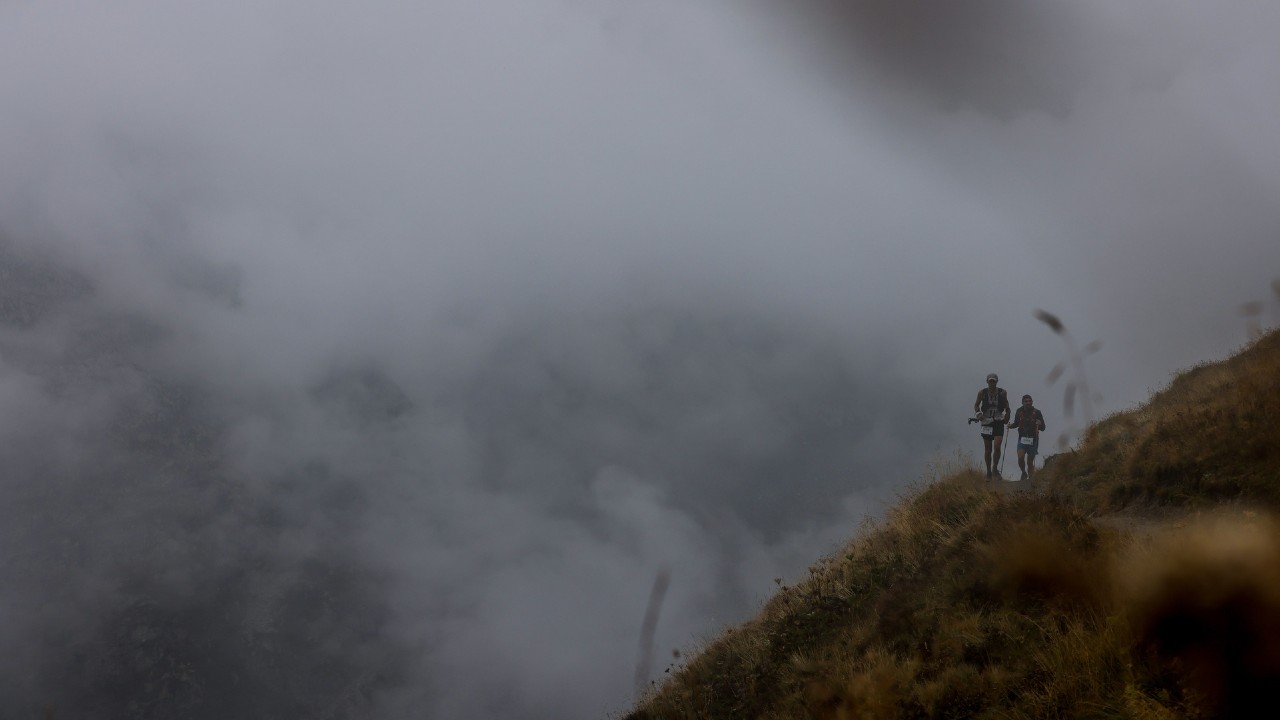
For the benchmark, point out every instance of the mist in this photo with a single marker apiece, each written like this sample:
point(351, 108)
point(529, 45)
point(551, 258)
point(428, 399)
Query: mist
point(372, 362)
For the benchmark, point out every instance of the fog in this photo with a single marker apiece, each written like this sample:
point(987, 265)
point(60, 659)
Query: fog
point(373, 361)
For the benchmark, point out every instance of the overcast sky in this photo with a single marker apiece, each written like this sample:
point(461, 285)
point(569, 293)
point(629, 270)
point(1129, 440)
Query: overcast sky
point(371, 361)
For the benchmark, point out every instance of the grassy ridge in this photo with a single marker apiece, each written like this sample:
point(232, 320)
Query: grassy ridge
point(968, 600)
point(1212, 435)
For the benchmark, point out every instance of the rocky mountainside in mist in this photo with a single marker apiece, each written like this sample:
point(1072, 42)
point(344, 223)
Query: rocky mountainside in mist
point(1135, 578)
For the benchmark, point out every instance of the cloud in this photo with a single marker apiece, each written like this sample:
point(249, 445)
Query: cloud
point(999, 56)
point(1125, 152)
point(365, 357)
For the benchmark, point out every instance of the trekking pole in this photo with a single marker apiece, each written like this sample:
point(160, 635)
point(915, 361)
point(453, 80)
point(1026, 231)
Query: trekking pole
point(1003, 447)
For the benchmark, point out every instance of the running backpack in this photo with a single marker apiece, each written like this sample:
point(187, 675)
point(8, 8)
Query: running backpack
point(991, 408)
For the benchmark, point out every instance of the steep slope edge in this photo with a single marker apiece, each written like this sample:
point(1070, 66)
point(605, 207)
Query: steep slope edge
point(968, 600)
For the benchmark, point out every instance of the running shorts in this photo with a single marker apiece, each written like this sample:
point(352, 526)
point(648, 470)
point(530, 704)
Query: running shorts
point(1030, 444)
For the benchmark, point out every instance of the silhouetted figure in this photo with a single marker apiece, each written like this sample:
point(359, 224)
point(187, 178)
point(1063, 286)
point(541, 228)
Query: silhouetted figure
point(1029, 422)
point(992, 410)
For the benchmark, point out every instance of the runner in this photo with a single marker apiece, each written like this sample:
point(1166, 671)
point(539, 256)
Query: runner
point(1029, 423)
point(992, 410)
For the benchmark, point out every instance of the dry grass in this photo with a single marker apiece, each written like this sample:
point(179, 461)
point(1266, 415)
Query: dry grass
point(946, 609)
point(1211, 436)
point(967, 602)
point(1205, 602)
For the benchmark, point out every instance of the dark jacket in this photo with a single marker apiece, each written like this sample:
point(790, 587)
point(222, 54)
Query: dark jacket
point(1029, 422)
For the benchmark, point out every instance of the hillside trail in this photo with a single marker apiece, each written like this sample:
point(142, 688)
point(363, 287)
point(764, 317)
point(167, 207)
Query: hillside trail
point(1142, 522)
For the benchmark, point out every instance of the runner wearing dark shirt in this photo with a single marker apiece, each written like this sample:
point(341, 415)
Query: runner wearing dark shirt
point(1029, 423)
point(992, 410)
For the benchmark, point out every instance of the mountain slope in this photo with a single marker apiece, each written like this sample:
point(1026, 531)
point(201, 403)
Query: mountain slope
point(979, 600)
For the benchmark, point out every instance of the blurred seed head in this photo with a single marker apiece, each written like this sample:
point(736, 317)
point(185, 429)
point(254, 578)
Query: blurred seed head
point(1051, 320)
point(1055, 373)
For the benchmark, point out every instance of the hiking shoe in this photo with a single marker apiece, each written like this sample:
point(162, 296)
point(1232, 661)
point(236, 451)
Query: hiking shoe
point(997, 474)
point(1024, 475)
point(988, 474)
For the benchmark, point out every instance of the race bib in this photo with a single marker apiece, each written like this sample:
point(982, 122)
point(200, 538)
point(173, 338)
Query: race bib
point(988, 430)
point(1027, 441)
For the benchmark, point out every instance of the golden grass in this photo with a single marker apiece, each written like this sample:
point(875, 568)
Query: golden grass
point(1211, 436)
point(942, 610)
point(969, 602)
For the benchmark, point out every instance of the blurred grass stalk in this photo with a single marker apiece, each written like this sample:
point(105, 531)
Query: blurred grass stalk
point(1080, 385)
